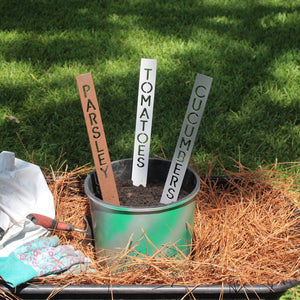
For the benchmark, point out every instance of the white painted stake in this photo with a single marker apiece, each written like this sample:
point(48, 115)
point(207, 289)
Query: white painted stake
point(186, 138)
point(143, 126)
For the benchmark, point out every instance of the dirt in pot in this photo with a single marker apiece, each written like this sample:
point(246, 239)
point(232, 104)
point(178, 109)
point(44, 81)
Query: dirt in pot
point(130, 195)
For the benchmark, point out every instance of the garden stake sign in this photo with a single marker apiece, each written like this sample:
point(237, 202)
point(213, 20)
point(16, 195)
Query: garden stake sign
point(97, 138)
point(143, 126)
point(186, 138)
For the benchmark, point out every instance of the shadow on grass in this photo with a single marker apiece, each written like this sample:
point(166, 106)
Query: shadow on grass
point(236, 44)
point(252, 22)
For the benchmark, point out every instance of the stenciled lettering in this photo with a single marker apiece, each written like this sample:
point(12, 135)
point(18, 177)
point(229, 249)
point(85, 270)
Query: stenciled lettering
point(144, 122)
point(92, 117)
point(97, 139)
point(140, 162)
point(90, 105)
point(100, 158)
point(199, 91)
point(149, 87)
point(189, 118)
point(146, 100)
point(186, 139)
point(185, 143)
point(194, 104)
point(191, 130)
point(170, 193)
point(177, 168)
point(97, 146)
point(148, 71)
point(144, 114)
point(96, 132)
point(86, 88)
point(173, 181)
point(105, 171)
point(181, 156)
point(142, 135)
point(141, 149)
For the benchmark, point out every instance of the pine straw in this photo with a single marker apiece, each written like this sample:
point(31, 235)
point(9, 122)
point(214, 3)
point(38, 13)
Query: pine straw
point(246, 232)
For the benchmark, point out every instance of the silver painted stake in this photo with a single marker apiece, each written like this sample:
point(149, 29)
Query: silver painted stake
point(186, 138)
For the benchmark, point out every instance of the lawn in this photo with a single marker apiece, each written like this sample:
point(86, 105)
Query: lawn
point(250, 48)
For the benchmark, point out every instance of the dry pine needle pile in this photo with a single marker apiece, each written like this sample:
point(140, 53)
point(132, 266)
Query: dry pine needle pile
point(246, 231)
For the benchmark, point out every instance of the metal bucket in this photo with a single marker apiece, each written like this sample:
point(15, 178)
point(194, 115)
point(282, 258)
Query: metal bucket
point(146, 230)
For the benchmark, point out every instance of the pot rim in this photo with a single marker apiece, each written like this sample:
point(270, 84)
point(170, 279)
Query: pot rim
point(136, 209)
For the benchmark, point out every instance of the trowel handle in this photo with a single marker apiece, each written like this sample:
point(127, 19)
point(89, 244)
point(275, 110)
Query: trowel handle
point(49, 223)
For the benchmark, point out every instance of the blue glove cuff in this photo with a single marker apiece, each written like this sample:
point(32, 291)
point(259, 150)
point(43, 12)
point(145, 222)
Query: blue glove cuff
point(14, 271)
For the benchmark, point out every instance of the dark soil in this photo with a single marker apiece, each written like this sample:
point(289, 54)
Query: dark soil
point(130, 195)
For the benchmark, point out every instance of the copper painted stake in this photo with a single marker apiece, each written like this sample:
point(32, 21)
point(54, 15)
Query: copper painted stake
point(97, 138)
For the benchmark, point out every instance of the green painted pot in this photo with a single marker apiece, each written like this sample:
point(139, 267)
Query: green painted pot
point(145, 230)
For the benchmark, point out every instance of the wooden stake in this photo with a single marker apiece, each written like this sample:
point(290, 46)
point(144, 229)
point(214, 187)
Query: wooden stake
point(186, 138)
point(97, 138)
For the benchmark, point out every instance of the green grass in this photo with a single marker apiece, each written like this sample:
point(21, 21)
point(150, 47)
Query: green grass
point(250, 48)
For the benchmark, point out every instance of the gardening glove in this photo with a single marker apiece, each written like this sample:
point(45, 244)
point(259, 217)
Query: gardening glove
point(40, 257)
point(23, 189)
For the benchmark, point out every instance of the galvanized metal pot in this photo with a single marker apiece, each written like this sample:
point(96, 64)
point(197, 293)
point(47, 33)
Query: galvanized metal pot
point(144, 229)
